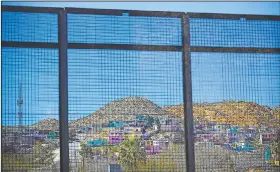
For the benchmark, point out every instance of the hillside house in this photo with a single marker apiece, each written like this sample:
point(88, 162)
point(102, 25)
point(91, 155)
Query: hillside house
point(140, 120)
point(129, 123)
point(97, 143)
point(205, 137)
point(242, 146)
point(27, 140)
point(155, 127)
point(251, 131)
point(10, 139)
point(40, 137)
point(96, 128)
point(115, 137)
point(53, 135)
point(44, 132)
point(236, 136)
point(266, 138)
point(220, 128)
point(115, 124)
point(163, 119)
point(153, 147)
point(83, 129)
point(200, 127)
point(132, 132)
point(211, 125)
point(114, 168)
point(171, 124)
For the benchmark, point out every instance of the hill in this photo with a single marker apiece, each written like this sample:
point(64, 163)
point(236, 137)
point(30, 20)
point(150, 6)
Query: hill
point(46, 124)
point(232, 112)
point(123, 109)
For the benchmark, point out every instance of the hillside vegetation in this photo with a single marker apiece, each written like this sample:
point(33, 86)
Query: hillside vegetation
point(232, 112)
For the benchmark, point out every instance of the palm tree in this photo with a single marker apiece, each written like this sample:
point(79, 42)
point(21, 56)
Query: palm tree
point(129, 152)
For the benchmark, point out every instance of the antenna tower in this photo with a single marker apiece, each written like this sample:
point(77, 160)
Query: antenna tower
point(20, 103)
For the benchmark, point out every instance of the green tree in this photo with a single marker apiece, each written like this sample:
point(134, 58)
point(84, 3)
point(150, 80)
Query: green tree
point(129, 152)
point(158, 164)
point(84, 152)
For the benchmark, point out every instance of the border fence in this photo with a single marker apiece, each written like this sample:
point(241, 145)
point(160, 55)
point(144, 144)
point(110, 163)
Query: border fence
point(126, 90)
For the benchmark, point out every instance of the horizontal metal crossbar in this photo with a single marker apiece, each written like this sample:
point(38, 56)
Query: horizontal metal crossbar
point(235, 50)
point(124, 47)
point(29, 44)
point(139, 47)
point(120, 12)
point(31, 9)
point(233, 16)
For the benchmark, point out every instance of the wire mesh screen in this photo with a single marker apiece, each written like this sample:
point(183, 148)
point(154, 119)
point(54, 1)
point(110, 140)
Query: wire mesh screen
point(236, 111)
point(234, 33)
point(106, 29)
point(29, 27)
point(122, 112)
point(29, 109)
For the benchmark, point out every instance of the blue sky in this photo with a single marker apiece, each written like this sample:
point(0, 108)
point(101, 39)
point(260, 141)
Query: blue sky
point(270, 8)
point(96, 77)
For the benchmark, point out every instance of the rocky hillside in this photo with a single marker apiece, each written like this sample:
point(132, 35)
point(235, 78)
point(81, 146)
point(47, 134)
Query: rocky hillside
point(46, 124)
point(123, 109)
point(232, 112)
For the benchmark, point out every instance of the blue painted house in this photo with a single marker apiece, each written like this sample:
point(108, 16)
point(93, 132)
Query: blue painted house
point(115, 124)
point(97, 143)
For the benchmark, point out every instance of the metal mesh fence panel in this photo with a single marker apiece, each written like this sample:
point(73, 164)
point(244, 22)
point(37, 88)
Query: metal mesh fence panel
point(30, 92)
point(138, 30)
point(29, 27)
point(236, 111)
point(126, 103)
point(234, 33)
point(29, 109)
point(121, 110)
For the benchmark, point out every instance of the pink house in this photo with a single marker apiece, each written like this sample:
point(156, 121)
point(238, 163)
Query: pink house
point(153, 147)
point(115, 137)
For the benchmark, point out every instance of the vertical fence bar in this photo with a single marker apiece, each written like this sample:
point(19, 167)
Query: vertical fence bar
point(187, 86)
point(63, 92)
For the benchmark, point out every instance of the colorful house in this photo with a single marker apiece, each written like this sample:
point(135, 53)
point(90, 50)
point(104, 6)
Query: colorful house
point(153, 147)
point(115, 137)
point(114, 168)
point(97, 143)
point(129, 123)
point(115, 124)
point(132, 132)
point(170, 124)
point(52, 135)
point(266, 138)
point(241, 146)
point(140, 120)
point(220, 127)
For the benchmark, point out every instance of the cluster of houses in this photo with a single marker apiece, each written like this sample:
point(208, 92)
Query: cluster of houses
point(27, 138)
point(233, 137)
point(115, 132)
